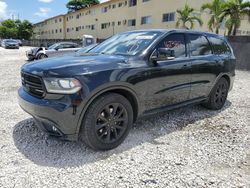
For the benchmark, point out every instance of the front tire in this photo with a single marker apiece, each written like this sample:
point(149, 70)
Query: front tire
point(218, 95)
point(42, 56)
point(107, 122)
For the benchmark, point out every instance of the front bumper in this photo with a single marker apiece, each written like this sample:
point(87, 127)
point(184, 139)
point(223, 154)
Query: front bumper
point(53, 116)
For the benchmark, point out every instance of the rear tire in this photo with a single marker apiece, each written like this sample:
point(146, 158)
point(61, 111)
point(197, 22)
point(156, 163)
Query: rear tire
point(107, 122)
point(218, 96)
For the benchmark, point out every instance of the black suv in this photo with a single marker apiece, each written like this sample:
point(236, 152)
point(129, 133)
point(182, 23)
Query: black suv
point(98, 95)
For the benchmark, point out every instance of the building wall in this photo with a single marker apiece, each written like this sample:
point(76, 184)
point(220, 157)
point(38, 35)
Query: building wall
point(107, 19)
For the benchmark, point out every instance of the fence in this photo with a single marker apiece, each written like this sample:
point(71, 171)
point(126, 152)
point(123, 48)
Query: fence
point(241, 47)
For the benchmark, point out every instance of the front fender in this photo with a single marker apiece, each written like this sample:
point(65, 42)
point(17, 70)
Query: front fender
point(104, 89)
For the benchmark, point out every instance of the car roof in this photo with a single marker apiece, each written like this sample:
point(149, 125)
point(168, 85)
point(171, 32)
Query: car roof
point(178, 30)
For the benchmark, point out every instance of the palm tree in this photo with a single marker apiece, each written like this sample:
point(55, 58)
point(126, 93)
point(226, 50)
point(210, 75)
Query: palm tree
point(233, 11)
point(186, 16)
point(215, 10)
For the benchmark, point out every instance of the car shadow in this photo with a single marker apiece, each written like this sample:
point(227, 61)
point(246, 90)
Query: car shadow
point(48, 151)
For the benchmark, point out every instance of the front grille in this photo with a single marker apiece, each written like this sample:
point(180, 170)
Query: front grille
point(33, 85)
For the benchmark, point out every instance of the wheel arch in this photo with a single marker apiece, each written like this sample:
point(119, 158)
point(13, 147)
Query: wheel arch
point(128, 93)
point(227, 76)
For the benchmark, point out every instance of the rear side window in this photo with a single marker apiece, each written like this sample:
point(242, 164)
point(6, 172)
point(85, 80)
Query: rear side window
point(199, 45)
point(175, 42)
point(68, 45)
point(220, 47)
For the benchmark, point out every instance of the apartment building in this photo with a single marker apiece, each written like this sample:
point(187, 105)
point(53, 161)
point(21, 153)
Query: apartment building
point(106, 19)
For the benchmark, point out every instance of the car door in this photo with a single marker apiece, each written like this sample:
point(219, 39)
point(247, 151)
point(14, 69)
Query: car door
point(169, 80)
point(67, 48)
point(204, 66)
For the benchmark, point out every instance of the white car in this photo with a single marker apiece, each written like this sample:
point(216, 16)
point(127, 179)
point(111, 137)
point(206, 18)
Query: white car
point(57, 49)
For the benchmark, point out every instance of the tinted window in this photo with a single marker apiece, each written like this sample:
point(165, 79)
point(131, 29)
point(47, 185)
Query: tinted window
point(199, 45)
point(175, 42)
point(219, 46)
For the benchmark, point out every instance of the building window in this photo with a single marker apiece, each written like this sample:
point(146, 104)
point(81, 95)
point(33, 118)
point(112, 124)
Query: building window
point(119, 4)
point(77, 16)
point(77, 29)
point(60, 19)
point(114, 6)
point(168, 17)
point(132, 22)
point(146, 20)
point(105, 25)
point(132, 3)
point(92, 12)
point(104, 9)
point(119, 23)
point(60, 30)
point(55, 20)
point(82, 27)
point(92, 27)
point(56, 30)
point(145, 1)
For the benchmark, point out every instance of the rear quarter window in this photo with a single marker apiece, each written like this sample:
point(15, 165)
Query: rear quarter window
point(199, 45)
point(220, 47)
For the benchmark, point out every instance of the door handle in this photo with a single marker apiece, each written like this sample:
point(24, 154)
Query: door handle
point(185, 66)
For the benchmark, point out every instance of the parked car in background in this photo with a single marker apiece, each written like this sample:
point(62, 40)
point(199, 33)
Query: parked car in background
point(57, 49)
point(10, 43)
point(98, 96)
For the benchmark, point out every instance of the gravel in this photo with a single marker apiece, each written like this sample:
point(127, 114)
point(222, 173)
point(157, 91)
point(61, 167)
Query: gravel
point(188, 147)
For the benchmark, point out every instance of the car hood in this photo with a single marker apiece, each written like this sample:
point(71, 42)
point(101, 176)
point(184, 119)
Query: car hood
point(75, 65)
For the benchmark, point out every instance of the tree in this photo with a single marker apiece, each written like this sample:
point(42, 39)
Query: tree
point(25, 30)
point(16, 29)
point(215, 9)
point(186, 16)
point(74, 5)
point(233, 11)
point(8, 29)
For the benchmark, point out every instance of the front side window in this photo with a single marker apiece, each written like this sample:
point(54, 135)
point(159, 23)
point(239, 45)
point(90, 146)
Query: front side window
point(219, 46)
point(175, 42)
point(128, 44)
point(199, 45)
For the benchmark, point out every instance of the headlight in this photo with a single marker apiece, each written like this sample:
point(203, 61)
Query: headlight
point(62, 85)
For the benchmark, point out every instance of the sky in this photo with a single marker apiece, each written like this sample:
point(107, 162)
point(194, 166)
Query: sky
point(32, 10)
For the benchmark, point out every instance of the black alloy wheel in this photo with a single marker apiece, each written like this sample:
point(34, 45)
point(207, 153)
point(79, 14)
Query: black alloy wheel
point(107, 122)
point(218, 95)
point(111, 122)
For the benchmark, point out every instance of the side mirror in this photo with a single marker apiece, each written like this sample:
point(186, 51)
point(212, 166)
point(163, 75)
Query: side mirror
point(162, 54)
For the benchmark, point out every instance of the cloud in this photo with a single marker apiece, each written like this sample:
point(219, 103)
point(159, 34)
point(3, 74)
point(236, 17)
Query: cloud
point(43, 12)
point(3, 10)
point(45, 1)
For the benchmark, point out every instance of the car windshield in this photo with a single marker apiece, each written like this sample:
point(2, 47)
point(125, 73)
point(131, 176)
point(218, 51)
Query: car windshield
point(86, 49)
point(9, 40)
point(129, 43)
point(53, 46)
